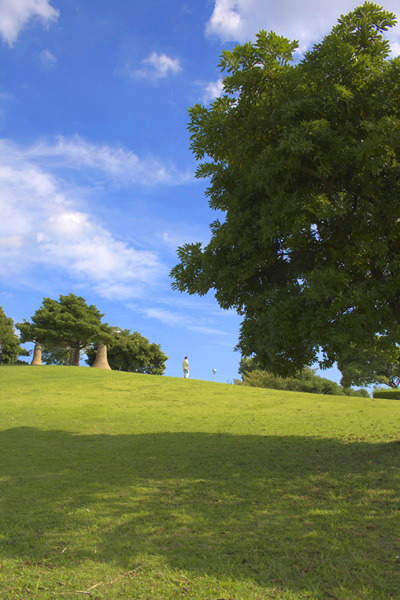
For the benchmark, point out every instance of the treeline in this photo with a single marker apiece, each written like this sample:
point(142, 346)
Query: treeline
point(64, 329)
point(305, 381)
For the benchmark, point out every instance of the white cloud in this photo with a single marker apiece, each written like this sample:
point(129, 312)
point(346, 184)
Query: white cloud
point(48, 59)
point(212, 90)
point(16, 14)
point(157, 66)
point(198, 304)
point(171, 239)
point(307, 21)
point(120, 166)
point(396, 48)
point(167, 317)
point(179, 236)
point(227, 20)
point(394, 39)
point(67, 225)
point(206, 330)
point(44, 224)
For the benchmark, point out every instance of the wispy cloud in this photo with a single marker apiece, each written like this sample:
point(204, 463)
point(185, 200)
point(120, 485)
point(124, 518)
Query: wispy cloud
point(5, 100)
point(156, 67)
point(6, 96)
point(307, 21)
point(47, 59)
point(173, 319)
point(198, 304)
point(44, 223)
point(183, 235)
point(212, 90)
point(16, 14)
point(117, 164)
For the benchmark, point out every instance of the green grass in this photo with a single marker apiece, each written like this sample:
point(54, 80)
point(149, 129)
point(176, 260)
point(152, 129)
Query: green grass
point(136, 487)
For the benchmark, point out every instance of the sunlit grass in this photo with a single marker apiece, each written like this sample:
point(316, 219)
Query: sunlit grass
point(129, 486)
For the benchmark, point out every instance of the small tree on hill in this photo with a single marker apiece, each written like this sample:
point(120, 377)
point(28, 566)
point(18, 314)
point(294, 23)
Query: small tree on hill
point(9, 341)
point(132, 352)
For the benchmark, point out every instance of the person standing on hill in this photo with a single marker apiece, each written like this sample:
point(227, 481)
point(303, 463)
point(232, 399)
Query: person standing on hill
point(185, 366)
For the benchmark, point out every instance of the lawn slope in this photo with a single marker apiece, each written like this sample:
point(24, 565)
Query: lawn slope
point(126, 486)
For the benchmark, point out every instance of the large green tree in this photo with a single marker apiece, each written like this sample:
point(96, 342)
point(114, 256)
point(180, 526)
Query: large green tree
point(128, 351)
point(10, 343)
point(304, 165)
point(68, 323)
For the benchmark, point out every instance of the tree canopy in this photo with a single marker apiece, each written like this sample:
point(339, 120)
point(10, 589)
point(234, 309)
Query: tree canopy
point(65, 323)
point(304, 165)
point(128, 351)
point(10, 342)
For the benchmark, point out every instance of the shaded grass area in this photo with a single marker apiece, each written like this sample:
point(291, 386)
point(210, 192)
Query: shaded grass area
point(146, 487)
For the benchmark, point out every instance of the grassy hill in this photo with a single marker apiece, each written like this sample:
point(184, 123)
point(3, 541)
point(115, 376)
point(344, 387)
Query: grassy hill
point(125, 486)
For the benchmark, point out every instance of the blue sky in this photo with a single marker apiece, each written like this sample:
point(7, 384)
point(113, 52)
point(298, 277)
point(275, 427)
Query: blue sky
point(97, 184)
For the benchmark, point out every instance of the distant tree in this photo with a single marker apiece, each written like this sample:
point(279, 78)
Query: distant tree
point(66, 323)
point(372, 365)
point(56, 356)
point(303, 160)
point(9, 341)
point(128, 351)
point(247, 365)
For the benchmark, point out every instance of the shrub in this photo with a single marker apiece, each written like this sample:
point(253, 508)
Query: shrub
point(387, 394)
point(305, 381)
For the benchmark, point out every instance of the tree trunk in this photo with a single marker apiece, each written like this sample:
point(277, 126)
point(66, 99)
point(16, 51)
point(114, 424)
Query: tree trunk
point(37, 355)
point(75, 357)
point(101, 361)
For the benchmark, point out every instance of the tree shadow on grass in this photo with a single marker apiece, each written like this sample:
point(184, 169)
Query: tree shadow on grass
point(284, 511)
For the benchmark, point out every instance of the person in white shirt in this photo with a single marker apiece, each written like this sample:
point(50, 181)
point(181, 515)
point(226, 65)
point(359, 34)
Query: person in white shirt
point(185, 366)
